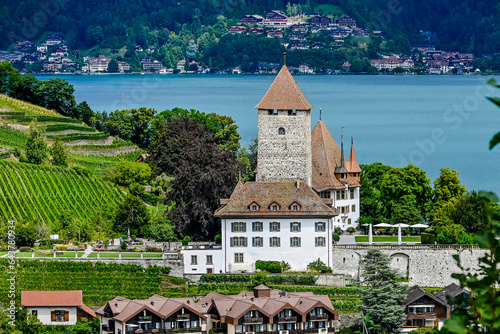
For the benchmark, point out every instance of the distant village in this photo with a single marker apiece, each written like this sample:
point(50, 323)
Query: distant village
point(54, 56)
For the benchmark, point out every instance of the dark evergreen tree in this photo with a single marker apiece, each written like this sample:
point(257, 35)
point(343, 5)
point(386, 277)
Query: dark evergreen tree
point(382, 297)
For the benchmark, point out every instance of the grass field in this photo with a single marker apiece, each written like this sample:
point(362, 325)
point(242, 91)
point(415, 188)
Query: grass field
point(387, 239)
point(11, 104)
point(146, 255)
point(28, 254)
point(329, 10)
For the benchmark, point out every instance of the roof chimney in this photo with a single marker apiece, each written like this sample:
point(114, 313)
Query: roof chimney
point(261, 291)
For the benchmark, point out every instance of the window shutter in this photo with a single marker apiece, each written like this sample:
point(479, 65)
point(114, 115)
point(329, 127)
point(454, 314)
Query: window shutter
point(291, 227)
point(279, 224)
point(270, 241)
point(231, 242)
point(246, 242)
point(300, 227)
point(53, 316)
point(253, 241)
point(270, 227)
point(279, 239)
point(291, 241)
point(232, 227)
point(66, 315)
point(253, 226)
point(315, 227)
point(299, 242)
point(316, 241)
point(244, 227)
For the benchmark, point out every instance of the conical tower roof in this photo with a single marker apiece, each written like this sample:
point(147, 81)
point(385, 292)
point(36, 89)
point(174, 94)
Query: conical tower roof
point(284, 93)
point(353, 165)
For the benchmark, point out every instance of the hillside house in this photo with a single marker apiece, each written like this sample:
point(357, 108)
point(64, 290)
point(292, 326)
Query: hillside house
point(346, 21)
point(237, 29)
point(320, 20)
point(424, 309)
point(453, 293)
point(251, 19)
point(56, 307)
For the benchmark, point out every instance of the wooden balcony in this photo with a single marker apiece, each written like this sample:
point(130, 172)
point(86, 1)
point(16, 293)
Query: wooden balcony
point(287, 319)
point(319, 317)
point(182, 330)
point(423, 315)
point(250, 321)
point(182, 317)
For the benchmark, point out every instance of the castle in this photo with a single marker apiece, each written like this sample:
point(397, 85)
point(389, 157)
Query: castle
point(304, 189)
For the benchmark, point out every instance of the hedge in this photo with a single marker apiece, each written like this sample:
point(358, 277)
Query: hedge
point(427, 238)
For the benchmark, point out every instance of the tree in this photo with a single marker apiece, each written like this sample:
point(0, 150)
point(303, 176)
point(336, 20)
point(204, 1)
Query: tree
point(132, 124)
point(382, 297)
point(481, 313)
point(447, 186)
point(85, 113)
point(160, 228)
point(113, 66)
point(59, 152)
point(128, 172)
point(407, 181)
point(131, 214)
point(57, 94)
point(470, 211)
point(26, 234)
point(406, 212)
point(496, 100)
point(36, 148)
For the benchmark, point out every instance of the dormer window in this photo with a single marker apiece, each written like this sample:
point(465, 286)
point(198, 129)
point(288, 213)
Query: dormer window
point(254, 207)
point(295, 207)
point(281, 131)
point(274, 207)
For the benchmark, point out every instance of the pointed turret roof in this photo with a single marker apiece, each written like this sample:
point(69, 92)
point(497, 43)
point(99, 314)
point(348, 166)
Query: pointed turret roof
point(326, 157)
point(284, 93)
point(352, 164)
point(341, 168)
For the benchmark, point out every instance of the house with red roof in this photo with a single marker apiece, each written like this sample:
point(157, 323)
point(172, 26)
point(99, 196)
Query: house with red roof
point(57, 307)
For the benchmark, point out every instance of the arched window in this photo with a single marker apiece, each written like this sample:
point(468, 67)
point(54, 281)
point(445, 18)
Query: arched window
point(281, 131)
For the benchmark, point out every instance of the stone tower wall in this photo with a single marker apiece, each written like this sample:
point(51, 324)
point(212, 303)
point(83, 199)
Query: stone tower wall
point(288, 156)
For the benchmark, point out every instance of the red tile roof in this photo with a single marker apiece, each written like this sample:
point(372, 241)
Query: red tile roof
point(284, 193)
point(51, 298)
point(285, 94)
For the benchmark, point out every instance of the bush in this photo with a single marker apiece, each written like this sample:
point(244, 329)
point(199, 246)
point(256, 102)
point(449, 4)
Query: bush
point(186, 240)
point(25, 249)
point(123, 245)
point(350, 230)
point(269, 266)
point(24, 159)
point(259, 278)
point(427, 238)
point(218, 239)
point(337, 230)
point(285, 266)
point(336, 237)
point(319, 266)
point(72, 248)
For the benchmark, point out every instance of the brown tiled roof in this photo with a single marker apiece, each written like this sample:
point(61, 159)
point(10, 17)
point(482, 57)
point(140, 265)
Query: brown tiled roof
point(87, 310)
point(51, 298)
point(416, 292)
point(326, 156)
point(352, 164)
point(452, 291)
point(284, 93)
point(284, 193)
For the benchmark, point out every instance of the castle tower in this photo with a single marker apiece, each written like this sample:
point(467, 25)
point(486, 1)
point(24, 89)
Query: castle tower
point(284, 132)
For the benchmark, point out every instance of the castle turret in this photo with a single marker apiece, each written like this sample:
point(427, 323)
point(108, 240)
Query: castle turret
point(284, 132)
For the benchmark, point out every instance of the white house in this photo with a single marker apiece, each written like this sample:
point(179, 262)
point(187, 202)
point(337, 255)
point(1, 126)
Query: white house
point(56, 307)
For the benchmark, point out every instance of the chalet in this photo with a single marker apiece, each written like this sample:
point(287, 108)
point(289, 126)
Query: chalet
point(25, 46)
point(305, 68)
point(276, 15)
point(237, 29)
point(298, 46)
point(123, 66)
point(56, 307)
point(181, 65)
point(99, 64)
point(424, 309)
point(318, 46)
point(255, 31)
point(153, 66)
point(275, 33)
point(251, 19)
point(346, 21)
point(453, 293)
point(320, 20)
point(54, 38)
point(61, 52)
point(267, 310)
point(346, 66)
point(52, 66)
point(154, 315)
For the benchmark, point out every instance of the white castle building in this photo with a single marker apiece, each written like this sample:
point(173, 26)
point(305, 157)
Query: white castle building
point(304, 189)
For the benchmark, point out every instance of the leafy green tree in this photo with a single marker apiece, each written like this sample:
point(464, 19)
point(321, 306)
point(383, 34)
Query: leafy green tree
point(481, 313)
point(113, 66)
point(447, 186)
point(131, 124)
point(407, 181)
point(85, 113)
point(259, 278)
point(382, 297)
point(128, 172)
point(26, 234)
point(496, 100)
point(160, 228)
point(57, 94)
point(471, 212)
point(36, 147)
point(406, 212)
point(60, 153)
point(131, 214)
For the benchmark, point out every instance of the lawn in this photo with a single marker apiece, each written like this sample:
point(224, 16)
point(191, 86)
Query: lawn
point(28, 254)
point(326, 10)
point(387, 239)
point(125, 255)
point(3, 253)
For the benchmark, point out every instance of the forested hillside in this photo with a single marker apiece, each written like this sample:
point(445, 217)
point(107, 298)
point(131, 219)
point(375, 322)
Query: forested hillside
point(466, 26)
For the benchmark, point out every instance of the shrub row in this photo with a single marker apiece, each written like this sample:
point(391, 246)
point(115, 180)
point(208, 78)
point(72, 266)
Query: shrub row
point(64, 127)
point(83, 136)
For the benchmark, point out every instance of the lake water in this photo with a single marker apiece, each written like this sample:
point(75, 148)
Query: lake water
point(430, 121)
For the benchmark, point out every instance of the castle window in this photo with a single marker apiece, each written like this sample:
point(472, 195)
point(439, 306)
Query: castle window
point(257, 226)
point(194, 259)
point(281, 131)
point(238, 242)
point(254, 207)
point(292, 112)
point(294, 242)
point(274, 207)
point(257, 241)
point(272, 112)
point(295, 207)
point(238, 257)
point(274, 242)
point(325, 194)
point(274, 227)
point(352, 193)
point(295, 227)
point(320, 226)
point(320, 242)
point(238, 227)
point(353, 208)
point(341, 194)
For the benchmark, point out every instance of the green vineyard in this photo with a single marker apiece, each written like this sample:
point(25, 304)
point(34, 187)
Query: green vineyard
point(41, 193)
point(99, 282)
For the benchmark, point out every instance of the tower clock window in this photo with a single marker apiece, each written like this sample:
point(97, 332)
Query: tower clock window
point(281, 131)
